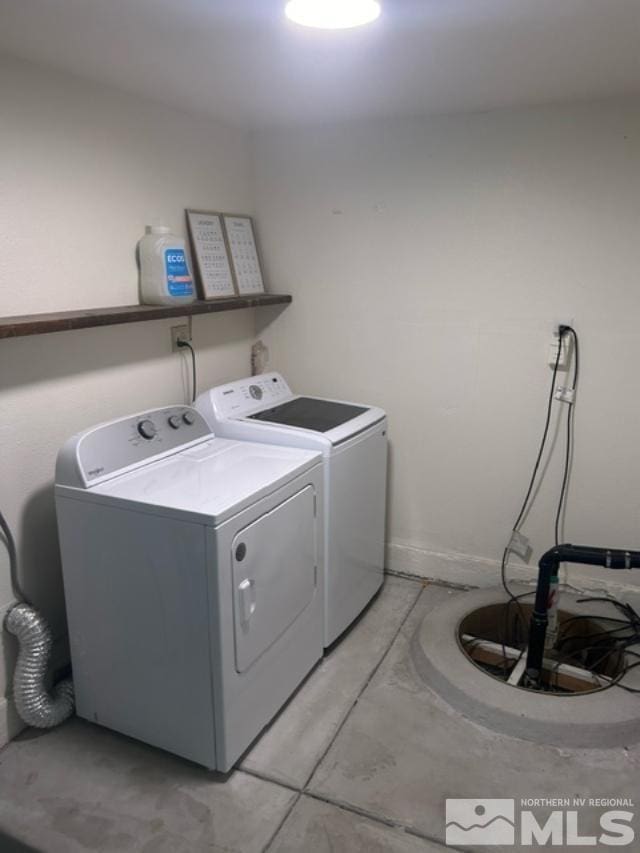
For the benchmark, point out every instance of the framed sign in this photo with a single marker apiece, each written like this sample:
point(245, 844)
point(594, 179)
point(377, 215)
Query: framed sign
point(243, 254)
point(209, 249)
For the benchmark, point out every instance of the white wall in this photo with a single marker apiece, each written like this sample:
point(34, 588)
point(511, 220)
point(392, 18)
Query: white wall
point(82, 169)
point(429, 261)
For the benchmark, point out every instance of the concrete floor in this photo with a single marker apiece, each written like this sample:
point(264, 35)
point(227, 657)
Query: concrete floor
point(362, 759)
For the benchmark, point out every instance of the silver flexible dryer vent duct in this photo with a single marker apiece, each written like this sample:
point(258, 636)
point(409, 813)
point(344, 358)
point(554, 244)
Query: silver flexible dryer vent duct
point(35, 705)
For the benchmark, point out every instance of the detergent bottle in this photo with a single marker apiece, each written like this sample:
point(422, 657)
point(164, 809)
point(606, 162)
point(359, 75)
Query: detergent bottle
point(165, 277)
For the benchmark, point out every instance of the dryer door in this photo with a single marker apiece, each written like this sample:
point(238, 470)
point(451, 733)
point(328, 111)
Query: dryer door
point(274, 574)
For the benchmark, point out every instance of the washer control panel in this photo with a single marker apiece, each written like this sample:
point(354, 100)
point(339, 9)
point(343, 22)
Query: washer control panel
point(109, 448)
point(247, 395)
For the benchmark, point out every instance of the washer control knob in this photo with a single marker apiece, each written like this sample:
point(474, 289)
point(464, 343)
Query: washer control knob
point(189, 418)
point(174, 422)
point(256, 392)
point(147, 429)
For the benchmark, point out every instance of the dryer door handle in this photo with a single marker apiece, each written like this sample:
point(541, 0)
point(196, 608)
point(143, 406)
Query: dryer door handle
point(247, 590)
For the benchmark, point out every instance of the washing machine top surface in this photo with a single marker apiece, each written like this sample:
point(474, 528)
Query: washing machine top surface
point(267, 401)
point(150, 460)
point(310, 413)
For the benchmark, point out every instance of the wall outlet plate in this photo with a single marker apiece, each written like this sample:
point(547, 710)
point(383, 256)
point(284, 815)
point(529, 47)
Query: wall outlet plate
point(180, 333)
point(553, 352)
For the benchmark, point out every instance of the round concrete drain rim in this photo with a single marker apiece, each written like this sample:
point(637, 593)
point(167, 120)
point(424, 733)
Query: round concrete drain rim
point(605, 718)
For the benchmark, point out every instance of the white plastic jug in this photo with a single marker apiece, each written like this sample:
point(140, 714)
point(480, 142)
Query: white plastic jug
point(165, 277)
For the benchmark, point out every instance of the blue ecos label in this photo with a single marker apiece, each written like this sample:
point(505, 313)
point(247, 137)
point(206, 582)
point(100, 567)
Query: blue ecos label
point(179, 281)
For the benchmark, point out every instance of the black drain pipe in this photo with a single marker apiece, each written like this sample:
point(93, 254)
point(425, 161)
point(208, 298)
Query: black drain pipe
point(610, 558)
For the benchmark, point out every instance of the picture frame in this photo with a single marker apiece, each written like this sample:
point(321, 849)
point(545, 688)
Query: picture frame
point(209, 250)
point(243, 253)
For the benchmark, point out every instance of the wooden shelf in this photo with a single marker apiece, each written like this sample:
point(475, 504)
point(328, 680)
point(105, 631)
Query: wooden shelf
point(66, 321)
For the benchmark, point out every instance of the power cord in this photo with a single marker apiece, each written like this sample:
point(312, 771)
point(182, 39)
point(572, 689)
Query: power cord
point(13, 561)
point(534, 474)
point(617, 645)
point(515, 599)
point(194, 384)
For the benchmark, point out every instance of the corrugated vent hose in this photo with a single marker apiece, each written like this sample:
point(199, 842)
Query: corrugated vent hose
point(36, 706)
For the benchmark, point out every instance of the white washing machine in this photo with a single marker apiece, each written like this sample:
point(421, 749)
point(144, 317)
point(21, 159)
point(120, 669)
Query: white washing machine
point(193, 580)
point(353, 441)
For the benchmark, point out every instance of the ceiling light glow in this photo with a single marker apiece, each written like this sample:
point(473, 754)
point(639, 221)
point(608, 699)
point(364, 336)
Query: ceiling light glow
point(332, 14)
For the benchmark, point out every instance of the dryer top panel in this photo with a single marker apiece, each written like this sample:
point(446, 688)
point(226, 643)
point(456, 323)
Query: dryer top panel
point(109, 449)
point(215, 478)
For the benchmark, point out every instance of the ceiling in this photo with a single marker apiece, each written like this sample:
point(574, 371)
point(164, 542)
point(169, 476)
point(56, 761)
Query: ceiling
point(243, 62)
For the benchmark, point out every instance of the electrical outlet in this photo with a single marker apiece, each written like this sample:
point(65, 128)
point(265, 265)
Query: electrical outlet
point(553, 352)
point(179, 333)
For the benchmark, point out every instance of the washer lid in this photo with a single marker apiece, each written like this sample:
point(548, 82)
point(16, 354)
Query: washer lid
point(263, 407)
point(310, 413)
point(216, 478)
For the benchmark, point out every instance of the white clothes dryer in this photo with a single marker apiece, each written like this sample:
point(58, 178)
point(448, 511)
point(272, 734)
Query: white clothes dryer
point(192, 570)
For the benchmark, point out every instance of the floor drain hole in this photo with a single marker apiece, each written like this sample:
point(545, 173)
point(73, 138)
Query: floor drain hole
point(585, 655)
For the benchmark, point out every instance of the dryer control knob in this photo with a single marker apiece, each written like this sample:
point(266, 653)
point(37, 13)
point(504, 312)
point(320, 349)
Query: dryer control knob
point(189, 418)
point(256, 392)
point(147, 429)
point(174, 422)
